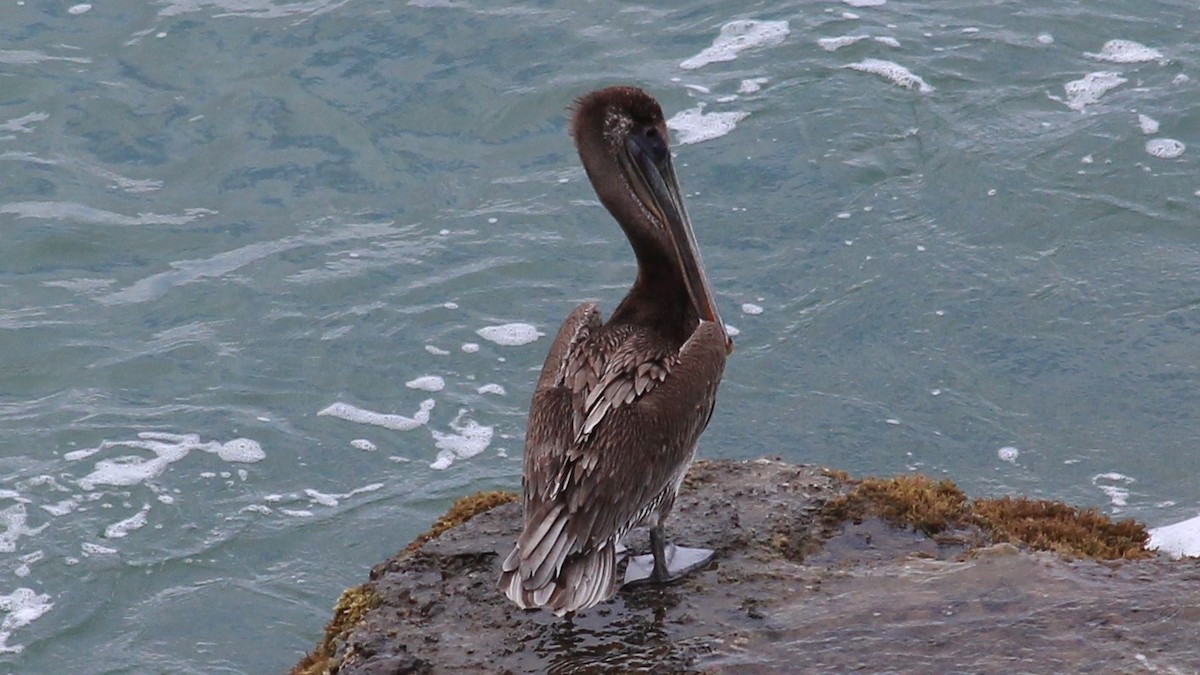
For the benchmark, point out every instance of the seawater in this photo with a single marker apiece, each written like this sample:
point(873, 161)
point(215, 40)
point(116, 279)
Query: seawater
point(277, 277)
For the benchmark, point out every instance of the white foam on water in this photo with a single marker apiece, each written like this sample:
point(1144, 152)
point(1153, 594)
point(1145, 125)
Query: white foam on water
point(61, 508)
point(297, 513)
point(1117, 494)
point(1088, 90)
point(321, 498)
point(694, 126)
point(81, 8)
point(436, 351)
point(352, 413)
point(427, 383)
point(450, 305)
point(1125, 51)
point(889, 41)
point(832, 44)
point(363, 444)
point(1045, 39)
point(242, 450)
point(21, 607)
point(510, 334)
point(1008, 454)
point(1147, 124)
point(470, 347)
point(865, 3)
point(468, 440)
point(1165, 148)
point(76, 455)
point(331, 499)
point(26, 560)
point(168, 448)
point(732, 330)
point(122, 528)
point(751, 308)
point(895, 72)
point(736, 37)
point(90, 549)
point(751, 85)
point(1177, 540)
point(15, 521)
point(491, 388)
point(133, 469)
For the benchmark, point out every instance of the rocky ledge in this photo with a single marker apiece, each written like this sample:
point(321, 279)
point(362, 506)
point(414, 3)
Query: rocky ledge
point(815, 572)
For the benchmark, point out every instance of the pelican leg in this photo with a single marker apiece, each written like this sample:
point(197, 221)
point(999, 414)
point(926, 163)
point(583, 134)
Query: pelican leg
point(666, 562)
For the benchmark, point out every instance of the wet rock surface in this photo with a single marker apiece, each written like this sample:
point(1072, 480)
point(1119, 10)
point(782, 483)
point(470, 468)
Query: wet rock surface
point(789, 591)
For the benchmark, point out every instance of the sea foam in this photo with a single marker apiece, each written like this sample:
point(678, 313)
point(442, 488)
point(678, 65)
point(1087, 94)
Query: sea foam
point(736, 37)
point(427, 383)
point(352, 413)
point(1088, 90)
point(510, 334)
point(167, 448)
point(1126, 51)
point(21, 607)
point(895, 72)
point(1165, 148)
point(695, 126)
point(469, 438)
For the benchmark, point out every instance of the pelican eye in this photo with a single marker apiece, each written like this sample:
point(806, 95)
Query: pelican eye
point(654, 144)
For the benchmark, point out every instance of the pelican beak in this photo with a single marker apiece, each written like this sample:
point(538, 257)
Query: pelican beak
point(647, 163)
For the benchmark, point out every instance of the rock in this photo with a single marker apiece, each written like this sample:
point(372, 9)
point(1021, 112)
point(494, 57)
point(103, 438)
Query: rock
point(814, 572)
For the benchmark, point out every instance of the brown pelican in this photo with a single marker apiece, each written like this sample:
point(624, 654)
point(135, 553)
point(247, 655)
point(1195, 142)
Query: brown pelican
point(619, 405)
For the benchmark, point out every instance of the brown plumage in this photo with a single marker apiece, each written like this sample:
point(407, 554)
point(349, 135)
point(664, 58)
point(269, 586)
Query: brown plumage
point(619, 405)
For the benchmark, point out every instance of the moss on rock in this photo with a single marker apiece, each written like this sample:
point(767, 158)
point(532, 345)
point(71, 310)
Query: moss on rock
point(933, 507)
point(353, 604)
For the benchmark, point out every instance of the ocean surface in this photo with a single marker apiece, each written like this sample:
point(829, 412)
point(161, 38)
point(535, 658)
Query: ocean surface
point(276, 277)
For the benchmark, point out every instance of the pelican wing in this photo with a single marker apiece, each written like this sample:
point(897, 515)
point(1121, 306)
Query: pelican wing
point(613, 371)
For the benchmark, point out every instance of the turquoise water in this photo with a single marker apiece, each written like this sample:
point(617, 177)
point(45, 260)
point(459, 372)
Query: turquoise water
point(249, 247)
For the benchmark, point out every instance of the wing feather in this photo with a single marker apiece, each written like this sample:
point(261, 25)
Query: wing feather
point(628, 366)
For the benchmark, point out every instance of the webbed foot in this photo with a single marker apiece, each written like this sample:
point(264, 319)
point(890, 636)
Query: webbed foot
point(678, 562)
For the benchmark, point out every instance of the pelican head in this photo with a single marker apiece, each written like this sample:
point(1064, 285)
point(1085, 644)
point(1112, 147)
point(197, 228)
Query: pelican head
point(623, 142)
